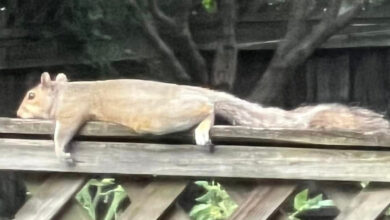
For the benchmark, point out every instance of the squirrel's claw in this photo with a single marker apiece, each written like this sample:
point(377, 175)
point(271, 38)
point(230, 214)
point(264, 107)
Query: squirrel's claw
point(65, 157)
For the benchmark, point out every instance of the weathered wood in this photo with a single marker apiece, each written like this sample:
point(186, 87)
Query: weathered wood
point(238, 191)
point(51, 197)
point(368, 204)
point(192, 160)
point(231, 134)
point(134, 190)
point(263, 201)
point(132, 187)
point(176, 213)
point(329, 72)
point(340, 193)
point(71, 211)
point(370, 85)
point(154, 200)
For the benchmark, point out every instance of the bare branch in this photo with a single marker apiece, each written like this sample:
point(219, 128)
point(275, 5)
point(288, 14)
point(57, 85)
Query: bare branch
point(322, 32)
point(197, 64)
point(163, 48)
point(297, 26)
point(269, 89)
point(160, 15)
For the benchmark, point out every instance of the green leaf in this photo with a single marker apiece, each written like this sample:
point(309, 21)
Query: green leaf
point(210, 5)
point(326, 203)
point(119, 195)
point(293, 218)
point(202, 183)
point(85, 200)
point(387, 213)
point(364, 184)
point(315, 200)
point(215, 204)
point(199, 208)
point(300, 199)
point(204, 198)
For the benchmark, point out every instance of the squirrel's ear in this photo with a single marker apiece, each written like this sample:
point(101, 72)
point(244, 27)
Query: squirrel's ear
point(45, 79)
point(61, 77)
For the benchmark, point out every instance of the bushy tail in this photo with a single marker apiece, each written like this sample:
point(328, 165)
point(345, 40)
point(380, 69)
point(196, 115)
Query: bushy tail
point(323, 116)
point(240, 112)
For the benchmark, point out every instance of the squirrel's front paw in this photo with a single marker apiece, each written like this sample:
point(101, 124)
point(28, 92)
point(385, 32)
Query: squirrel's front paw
point(65, 157)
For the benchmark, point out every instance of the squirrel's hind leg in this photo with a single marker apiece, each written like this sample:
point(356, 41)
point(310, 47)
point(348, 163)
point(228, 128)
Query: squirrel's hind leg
point(202, 132)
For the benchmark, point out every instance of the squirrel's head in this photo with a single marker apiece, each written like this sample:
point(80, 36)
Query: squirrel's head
point(38, 101)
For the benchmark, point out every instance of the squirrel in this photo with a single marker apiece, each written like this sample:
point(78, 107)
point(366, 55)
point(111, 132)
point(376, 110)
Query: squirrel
point(150, 107)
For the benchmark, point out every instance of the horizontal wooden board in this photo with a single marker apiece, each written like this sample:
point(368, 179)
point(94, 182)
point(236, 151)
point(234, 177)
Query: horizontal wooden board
point(225, 134)
point(192, 160)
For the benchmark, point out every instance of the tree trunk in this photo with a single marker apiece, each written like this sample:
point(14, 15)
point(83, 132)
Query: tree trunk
point(270, 89)
point(295, 48)
point(225, 61)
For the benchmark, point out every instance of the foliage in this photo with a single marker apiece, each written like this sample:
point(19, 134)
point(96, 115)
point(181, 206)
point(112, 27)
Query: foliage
point(95, 28)
point(210, 5)
point(104, 191)
point(364, 184)
point(387, 212)
point(303, 203)
point(215, 204)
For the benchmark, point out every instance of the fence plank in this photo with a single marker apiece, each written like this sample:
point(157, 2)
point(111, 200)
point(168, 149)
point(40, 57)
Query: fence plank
point(368, 204)
point(238, 191)
point(192, 160)
point(154, 200)
point(176, 213)
point(51, 197)
point(231, 134)
point(328, 78)
point(340, 193)
point(263, 201)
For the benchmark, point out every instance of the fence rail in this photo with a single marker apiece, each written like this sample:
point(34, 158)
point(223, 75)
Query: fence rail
point(242, 154)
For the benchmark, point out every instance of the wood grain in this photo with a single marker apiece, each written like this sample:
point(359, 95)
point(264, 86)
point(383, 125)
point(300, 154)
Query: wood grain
point(192, 160)
point(176, 213)
point(51, 197)
point(341, 193)
point(154, 199)
point(368, 204)
point(231, 134)
point(263, 201)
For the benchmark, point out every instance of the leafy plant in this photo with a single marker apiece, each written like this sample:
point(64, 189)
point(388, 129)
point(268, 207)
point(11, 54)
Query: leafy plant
point(210, 5)
point(387, 212)
point(215, 204)
point(302, 203)
point(104, 190)
point(364, 184)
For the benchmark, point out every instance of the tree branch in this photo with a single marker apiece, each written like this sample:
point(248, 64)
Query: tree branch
point(162, 47)
point(329, 25)
point(186, 45)
point(269, 89)
point(160, 15)
point(296, 27)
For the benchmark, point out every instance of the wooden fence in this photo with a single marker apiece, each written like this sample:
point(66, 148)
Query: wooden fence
point(261, 169)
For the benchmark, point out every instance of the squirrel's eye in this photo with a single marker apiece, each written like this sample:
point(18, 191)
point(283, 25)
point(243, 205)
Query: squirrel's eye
point(31, 95)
